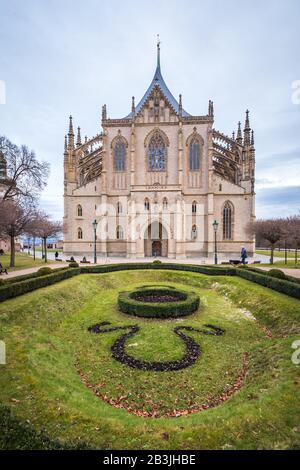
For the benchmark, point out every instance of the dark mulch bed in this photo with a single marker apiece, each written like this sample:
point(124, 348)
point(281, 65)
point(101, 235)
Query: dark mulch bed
point(157, 298)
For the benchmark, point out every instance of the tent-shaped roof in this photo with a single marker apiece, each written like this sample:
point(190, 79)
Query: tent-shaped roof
point(158, 81)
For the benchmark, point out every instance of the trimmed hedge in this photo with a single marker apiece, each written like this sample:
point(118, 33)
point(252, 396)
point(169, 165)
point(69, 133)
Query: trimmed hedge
point(27, 283)
point(280, 285)
point(265, 272)
point(276, 273)
point(44, 271)
point(210, 270)
point(24, 277)
point(19, 288)
point(73, 264)
point(187, 303)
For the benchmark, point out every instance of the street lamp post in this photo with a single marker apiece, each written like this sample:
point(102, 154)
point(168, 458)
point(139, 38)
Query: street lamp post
point(215, 226)
point(95, 223)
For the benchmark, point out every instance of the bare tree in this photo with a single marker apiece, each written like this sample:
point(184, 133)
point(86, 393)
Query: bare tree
point(47, 228)
point(26, 176)
point(293, 233)
point(15, 218)
point(34, 229)
point(271, 230)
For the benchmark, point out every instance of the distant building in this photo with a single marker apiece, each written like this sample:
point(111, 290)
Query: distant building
point(156, 180)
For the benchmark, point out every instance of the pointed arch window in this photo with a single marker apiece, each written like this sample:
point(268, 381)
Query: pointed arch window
point(120, 233)
point(79, 233)
point(194, 232)
point(157, 153)
point(79, 210)
point(165, 204)
point(227, 221)
point(194, 207)
point(147, 204)
point(195, 154)
point(120, 155)
point(119, 208)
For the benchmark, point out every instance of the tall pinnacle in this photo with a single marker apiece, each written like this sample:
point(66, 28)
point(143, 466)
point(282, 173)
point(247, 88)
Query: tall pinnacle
point(158, 52)
point(239, 138)
point(66, 145)
point(71, 134)
point(78, 143)
point(247, 130)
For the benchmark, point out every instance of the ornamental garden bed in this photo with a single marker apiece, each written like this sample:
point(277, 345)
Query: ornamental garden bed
point(158, 302)
point(81, 374)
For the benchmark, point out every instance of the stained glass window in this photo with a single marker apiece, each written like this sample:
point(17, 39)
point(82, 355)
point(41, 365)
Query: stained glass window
point(120, 155)
point(227, 221)
point(195, 155)
point(157, 153)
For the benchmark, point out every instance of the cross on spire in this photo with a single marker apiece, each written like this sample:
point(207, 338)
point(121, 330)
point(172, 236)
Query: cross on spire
point(158, 51)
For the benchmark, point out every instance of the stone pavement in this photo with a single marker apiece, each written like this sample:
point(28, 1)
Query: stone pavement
point(108, 260)
point(21, 272)
point(288, 271)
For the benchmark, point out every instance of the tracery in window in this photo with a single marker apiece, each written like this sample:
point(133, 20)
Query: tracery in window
point(156, 153)
point(195, 154)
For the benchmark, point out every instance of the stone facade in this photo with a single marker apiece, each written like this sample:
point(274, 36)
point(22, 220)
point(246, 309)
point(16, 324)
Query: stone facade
point(156, 180)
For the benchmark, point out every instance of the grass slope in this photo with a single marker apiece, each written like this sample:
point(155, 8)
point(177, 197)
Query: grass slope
point(47, 341)
point(23, 261)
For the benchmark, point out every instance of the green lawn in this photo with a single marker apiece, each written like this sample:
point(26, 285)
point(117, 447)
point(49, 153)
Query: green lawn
point(49, 250)
point(62, 379)
point(277, 254)
point(281, 264)
point(23, 261)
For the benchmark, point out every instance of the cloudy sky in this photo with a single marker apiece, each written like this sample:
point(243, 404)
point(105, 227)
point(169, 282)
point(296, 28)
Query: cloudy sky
point(61, 57)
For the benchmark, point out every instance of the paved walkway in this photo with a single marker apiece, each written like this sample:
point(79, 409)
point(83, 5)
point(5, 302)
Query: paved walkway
point(102, 260)
point(21, 272)
point(288, 271)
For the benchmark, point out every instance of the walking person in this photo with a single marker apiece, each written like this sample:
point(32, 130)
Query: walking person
point(244, 255)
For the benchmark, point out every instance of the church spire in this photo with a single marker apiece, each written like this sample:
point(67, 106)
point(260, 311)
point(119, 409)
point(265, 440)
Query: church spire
point(247, 130)
point(104, 113)
point(239, 138)
point(78, 143)
point(252, 139)
point(71, 134)
point(180, 105)
point(158, 52)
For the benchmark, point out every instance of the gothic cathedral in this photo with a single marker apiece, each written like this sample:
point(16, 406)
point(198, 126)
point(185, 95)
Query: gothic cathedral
point(159, 182)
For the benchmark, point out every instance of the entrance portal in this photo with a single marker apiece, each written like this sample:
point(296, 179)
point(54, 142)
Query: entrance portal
point(156, 240)
point(156, 248)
